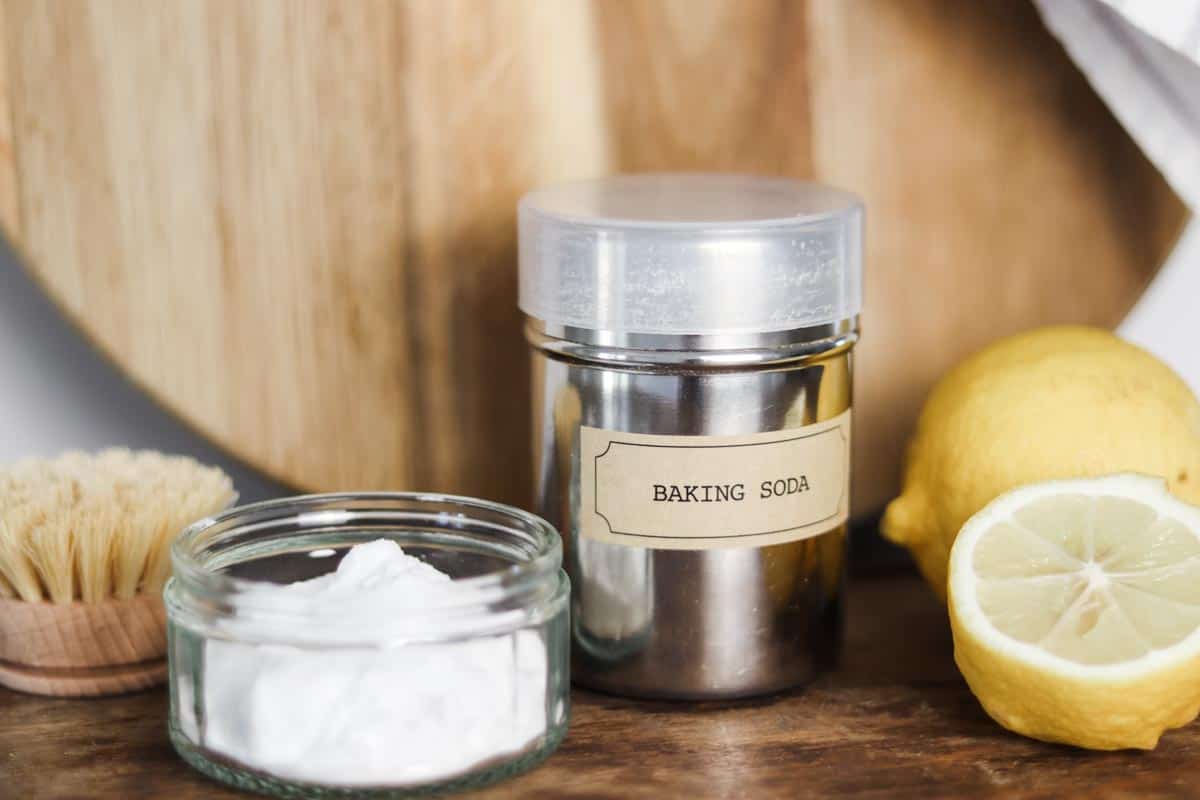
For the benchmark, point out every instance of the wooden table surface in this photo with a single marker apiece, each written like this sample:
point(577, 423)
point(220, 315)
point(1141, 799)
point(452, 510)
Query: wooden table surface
point(894, 721)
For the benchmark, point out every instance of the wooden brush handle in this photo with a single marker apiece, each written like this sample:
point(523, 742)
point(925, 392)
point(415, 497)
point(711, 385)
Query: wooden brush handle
point(83, 648)
point(90, 682)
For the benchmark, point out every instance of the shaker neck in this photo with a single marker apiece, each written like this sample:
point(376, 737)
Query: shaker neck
point(709, 350)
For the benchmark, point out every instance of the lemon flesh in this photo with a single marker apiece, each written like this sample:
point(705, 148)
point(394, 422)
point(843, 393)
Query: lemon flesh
point(1075, 607)
point(1051, 404)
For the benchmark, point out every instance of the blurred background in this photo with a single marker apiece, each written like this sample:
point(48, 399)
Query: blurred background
point(280, 236)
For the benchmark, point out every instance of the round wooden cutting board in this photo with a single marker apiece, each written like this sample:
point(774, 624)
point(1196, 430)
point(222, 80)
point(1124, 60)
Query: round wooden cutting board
point(294, 222)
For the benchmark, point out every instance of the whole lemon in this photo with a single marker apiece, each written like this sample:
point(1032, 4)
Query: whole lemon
point(1053, 403)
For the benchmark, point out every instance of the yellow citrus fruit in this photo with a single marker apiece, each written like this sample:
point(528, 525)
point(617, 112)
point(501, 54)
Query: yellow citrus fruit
point(1053, 403)
point(1075, 607)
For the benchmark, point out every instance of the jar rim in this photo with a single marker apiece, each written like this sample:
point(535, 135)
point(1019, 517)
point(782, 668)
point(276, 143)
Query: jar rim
point(532, 574)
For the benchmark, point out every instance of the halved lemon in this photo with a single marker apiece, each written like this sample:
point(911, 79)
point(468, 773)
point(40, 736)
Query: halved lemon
point(1075, 607)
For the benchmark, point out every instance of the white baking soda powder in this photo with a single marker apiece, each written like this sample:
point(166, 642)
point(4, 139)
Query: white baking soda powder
point(326, 708)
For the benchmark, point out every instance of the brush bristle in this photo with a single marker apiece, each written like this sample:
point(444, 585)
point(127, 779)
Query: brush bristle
point(88, 527)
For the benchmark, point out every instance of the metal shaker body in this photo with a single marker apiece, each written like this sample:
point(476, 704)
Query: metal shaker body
point(714, 623)
point(691, 339)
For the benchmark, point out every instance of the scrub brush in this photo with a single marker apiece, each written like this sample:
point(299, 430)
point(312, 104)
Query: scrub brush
point(84, 552)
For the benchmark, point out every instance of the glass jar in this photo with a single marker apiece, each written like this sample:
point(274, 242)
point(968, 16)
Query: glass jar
point(692, 341)
point(450, 691)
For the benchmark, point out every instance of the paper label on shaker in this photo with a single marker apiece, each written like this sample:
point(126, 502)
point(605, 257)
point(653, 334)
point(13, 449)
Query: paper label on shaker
point(702, 492)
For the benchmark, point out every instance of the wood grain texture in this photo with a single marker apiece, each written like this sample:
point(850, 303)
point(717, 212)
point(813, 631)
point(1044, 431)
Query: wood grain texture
point(10, 219)
point(294, 222)
point(83, 649)
point(90, 682)
point(894, 721)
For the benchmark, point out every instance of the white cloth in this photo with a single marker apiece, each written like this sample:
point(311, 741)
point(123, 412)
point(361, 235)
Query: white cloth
point(1143, 58)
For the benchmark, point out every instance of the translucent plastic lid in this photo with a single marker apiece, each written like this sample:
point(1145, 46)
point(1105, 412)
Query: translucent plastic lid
point(690, 254)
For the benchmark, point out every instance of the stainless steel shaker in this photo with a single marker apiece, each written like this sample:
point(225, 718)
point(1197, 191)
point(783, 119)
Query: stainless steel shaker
point(692, 343)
